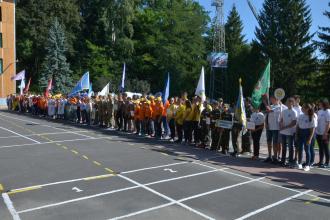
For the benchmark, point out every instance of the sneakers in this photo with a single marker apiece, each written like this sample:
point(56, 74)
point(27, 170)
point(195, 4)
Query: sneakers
point(300, 167)
point(307, 168)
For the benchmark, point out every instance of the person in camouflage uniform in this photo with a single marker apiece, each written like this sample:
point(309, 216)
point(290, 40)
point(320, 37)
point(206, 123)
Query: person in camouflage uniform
point(215, 131)
point(246, 138)
point(109, 113)
point(205, 122)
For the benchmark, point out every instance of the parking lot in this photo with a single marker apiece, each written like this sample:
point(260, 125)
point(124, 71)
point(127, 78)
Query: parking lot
point(56, 170)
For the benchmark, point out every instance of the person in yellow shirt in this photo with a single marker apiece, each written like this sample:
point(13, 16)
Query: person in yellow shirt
point(181, 108)
point(187, 117)
point(170, 115)
point(197, 110)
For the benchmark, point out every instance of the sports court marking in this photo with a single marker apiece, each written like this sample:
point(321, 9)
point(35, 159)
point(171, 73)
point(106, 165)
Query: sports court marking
point(10, 206)
point(20, 135)
point(32, 122)
point(273, 205)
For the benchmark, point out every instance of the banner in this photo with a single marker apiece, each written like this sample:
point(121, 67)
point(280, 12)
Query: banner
point(219, 60)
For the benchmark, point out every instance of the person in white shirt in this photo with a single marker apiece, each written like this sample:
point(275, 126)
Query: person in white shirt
point(322, 132)
point(273, 127)
point(258, 118)
point(306, 125)
point(287, 129)
point(297, 108)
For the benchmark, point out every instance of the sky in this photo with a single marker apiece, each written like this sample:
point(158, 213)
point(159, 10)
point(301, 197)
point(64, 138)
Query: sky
point(317, 9)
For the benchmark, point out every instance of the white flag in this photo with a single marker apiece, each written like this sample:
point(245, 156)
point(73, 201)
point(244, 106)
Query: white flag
point(123, 78)
point(200, 90)
point(105, 90)
point(22, 86)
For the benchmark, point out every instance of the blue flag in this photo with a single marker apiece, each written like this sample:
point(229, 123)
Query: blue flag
point(90, 90)
point(167, 89)
point(82, 84)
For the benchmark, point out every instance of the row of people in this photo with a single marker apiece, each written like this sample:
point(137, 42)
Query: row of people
point(289, 128)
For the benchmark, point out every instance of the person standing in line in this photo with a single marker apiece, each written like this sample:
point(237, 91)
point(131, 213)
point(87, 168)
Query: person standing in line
point(258, 118)
point(225, 132)
point(297, 108)
point(179, 119)
point(215, 131)
point(273, 125)
point(306, 125)
point(170, 115)
point(159, 108)
point(196, 119)
point(246, 138)
point(288, 123)
point(187, 123)
point(205, 121)
point(322, 132)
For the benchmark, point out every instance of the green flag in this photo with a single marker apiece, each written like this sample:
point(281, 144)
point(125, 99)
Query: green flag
point(262, 87)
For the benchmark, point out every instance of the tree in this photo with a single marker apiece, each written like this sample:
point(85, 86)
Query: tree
point(55, 64)
point(324, 46)
point(33, 19)
point(283, 37)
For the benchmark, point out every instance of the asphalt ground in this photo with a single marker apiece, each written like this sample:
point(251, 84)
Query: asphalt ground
point(57, 170)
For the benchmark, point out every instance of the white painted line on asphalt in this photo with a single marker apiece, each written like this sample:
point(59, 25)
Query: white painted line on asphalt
point(23, 136)
point(62, 182)
point(166, 197)
point(77, 199)
point(13, 136)
point(273, 205)
point(150, 168)
point(41, 134)
point(32, 122)
point(220, 189)
point(178, 202)
point(183, 177)
point(50, 142)
point(143, 211)
point(10, 206)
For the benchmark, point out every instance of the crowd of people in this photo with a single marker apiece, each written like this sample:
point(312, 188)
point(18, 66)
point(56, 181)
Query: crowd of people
point(291, 130)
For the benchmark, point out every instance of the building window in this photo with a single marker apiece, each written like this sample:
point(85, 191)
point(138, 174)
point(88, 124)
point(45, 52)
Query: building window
point(0, 40)
point(1, 65)
point(0, 13)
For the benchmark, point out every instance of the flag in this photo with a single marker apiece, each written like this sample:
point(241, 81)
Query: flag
point(82, 84)
point(122, 87)
point(200, 90)
point(22, 86)
point(49, 87)
point(240, 114)
point(167, 89)
point(90, 90)
point(262, 87)
point(19, 76)
point(105, 91)
point(27, 87)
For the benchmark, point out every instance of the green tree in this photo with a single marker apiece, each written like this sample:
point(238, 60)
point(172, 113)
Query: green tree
point(324, 46)
point(33, 19)
point(55, 65)
point(283, 37)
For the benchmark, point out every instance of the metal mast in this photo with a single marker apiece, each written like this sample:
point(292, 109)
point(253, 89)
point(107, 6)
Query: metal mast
point(219, 38)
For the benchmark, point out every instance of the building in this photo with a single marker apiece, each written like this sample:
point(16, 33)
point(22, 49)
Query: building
point(7, 48)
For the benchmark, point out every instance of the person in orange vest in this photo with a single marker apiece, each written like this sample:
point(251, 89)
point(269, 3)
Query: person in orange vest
point(141, 116)
point(159, 108)
point(137, 121)
point(148, 118)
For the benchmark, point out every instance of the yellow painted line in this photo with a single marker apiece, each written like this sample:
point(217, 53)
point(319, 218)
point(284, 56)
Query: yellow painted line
point(64, 147)
point(1, 188)
point(313, 200)
point(98, 177)
point(109, 170)
point(24, 190)
point(85, 157)
point(74, 151)
point(58, 144)
point(97, 163)
point(165, 154)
